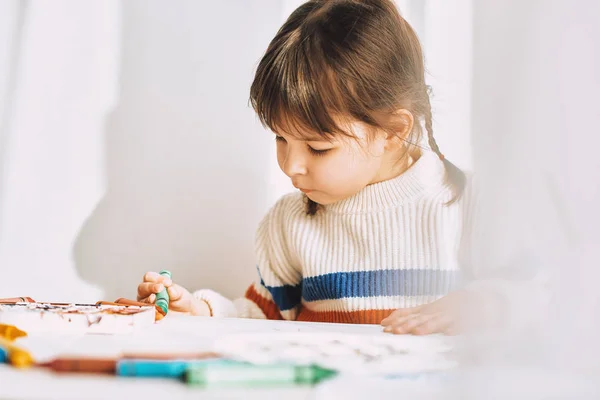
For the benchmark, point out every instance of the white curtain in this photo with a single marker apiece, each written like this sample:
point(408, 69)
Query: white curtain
point(58, 82)
point(535, 123)
point(445, 31)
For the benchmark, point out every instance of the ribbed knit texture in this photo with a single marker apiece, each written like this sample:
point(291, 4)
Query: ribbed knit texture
point(394, 244)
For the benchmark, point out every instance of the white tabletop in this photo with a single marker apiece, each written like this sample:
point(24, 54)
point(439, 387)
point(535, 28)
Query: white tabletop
point(175, 333)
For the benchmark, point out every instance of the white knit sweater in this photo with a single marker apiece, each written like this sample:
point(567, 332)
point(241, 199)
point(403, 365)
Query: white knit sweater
point(394, 244)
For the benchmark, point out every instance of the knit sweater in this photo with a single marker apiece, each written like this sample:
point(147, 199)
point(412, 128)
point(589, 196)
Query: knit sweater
point(392, 245)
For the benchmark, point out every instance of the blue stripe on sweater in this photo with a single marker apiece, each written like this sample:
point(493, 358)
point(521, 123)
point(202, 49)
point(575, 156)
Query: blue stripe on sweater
point(405, 282)
point(286, 297)
point(339, 285)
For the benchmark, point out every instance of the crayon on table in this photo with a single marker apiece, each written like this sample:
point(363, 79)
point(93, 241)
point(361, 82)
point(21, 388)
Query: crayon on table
point(3, 355)
point(17, 356)
point(162, 298)
point(158, 368)
point(85, 365)
point(109, 365)
point(11, 332)
point(251, 375)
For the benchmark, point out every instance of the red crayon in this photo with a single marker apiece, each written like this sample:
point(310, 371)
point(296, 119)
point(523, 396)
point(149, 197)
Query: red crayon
point(86, 365)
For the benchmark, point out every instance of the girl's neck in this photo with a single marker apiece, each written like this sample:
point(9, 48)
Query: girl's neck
point(393, 169)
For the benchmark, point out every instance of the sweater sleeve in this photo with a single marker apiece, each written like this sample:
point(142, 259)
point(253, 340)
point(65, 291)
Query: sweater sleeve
point(276, 293)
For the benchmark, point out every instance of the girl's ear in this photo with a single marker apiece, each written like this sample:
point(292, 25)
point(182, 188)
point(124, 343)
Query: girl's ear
point(403, 122)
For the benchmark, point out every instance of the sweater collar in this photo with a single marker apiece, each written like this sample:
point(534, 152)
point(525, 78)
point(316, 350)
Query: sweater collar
point(428, 171)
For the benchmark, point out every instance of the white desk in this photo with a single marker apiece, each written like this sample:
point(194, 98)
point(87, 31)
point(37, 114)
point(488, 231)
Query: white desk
point(177, 334)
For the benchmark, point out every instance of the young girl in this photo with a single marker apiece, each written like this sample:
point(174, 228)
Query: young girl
point(377, 223)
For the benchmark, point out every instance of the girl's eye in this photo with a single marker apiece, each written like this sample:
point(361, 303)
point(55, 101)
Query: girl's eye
point(279, 138)
point(318, 152)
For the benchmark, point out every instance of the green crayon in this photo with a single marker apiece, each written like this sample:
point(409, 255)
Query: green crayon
point(162, 298)
point(250, 375)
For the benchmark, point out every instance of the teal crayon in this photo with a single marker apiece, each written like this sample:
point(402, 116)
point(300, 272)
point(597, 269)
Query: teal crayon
point(251, 375)
point(158, 368)
point(162, 298)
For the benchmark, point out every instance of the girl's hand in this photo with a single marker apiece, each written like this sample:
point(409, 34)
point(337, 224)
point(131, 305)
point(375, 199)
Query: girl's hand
point(180, 299)
point(456, 312)
point(438, 317)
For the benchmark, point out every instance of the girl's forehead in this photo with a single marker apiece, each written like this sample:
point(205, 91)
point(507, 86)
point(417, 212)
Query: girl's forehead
point(344, 128)
point(306, 136)
point(299, 131)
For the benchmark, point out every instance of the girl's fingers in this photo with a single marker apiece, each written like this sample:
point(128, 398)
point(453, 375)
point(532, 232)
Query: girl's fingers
point(153, 277)
point(155, 283)
point(147, 288)
point(390, 324)
point(400, 313)
point(150, 299)
point(410, 324)
point(439, 324)
point(175, 293)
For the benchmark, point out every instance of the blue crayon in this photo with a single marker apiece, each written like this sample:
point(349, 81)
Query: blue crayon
point(159, 368)
point(3, 355)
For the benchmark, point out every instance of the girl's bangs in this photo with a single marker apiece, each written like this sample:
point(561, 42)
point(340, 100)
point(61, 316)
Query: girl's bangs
point(298, 97)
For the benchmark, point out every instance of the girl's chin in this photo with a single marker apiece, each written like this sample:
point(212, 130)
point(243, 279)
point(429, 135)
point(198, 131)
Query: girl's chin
point(320, 198)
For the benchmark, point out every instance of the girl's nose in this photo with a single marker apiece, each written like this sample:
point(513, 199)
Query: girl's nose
point(294, 165)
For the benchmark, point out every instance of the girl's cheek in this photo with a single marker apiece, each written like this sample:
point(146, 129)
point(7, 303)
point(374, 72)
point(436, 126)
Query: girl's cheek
point(334, 170)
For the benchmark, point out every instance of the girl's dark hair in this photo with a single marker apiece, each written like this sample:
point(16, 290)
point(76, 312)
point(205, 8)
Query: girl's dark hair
point(354, 58)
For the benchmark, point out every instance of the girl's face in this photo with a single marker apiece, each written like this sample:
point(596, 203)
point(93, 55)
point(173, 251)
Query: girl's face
point(330, 171)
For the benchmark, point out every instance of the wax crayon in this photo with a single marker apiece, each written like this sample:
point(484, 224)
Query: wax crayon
point(251, 375)
point(162, 298)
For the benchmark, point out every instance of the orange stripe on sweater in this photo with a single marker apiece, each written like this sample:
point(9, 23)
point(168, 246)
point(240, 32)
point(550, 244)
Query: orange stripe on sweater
point(268, 307)
point(344, 317)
